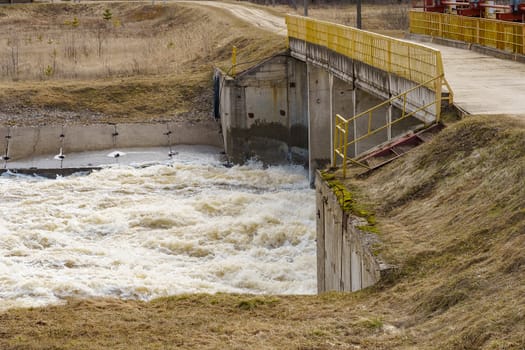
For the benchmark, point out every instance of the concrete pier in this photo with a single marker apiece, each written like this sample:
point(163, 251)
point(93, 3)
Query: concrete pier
point(320, 83)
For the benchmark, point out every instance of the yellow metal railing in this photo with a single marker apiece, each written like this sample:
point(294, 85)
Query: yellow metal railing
point(341, 135)
point(417, 63)
point(502, 35)
point(412, 61)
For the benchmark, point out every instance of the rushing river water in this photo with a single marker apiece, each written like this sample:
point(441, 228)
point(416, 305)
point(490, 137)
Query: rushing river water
point(190, 226)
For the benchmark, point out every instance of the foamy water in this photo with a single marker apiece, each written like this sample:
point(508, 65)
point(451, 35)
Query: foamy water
point(191, 226)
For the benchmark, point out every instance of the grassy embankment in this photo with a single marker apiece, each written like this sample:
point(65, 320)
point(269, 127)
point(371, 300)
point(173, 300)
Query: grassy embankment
point(452, 217)
point(63, 63)
point(145, 63)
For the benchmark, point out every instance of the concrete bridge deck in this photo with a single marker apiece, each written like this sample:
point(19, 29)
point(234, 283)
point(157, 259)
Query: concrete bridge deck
point(483, 84)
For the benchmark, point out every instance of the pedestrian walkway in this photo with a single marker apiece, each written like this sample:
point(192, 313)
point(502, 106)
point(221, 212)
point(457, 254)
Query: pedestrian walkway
point(484, 84)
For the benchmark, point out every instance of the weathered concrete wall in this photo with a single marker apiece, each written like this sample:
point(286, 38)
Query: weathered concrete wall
point(284, 108)
point(319, 118)
point(344, 258)
point(298, 111)
point(15, 1)
point(263, 112)
point(367, 78)
point(25, 142)
point(343, 103)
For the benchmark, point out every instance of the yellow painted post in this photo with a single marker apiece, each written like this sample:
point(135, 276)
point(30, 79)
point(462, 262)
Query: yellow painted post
point(523, 40)
point(440, 21)
point(335, 142)
point(439, 84)
point(477, 32)
point(234, 60)
point(345, 148)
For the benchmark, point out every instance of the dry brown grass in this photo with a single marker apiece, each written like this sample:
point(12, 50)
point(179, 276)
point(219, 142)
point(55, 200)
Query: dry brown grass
point(77, 43)
point(147, 62)
point(452, 217)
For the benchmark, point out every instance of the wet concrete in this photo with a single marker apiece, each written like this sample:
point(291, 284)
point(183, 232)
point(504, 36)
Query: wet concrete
point(51, 165)
point(18, 143)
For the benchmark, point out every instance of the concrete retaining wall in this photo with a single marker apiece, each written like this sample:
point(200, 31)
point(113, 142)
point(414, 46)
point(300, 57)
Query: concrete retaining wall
point(345, 261)
point(263, 112)
point(25, 142)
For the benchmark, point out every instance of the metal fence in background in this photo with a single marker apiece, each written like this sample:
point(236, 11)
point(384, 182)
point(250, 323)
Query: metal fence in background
point(408, 60)
point(502, 35)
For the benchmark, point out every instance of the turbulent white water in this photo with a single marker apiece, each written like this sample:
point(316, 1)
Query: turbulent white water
point(192, 226)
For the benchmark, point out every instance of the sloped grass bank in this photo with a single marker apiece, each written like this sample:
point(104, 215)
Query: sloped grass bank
point(453, 213)
point(63, 63)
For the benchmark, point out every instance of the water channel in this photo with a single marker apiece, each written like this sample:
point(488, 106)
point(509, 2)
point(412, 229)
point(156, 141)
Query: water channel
point(187, 224)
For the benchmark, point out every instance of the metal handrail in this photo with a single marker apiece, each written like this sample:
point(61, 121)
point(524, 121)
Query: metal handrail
point(341, 142)
point(502, 35)
point(412, 61)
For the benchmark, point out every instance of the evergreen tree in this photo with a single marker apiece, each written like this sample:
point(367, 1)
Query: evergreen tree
point(107, 15)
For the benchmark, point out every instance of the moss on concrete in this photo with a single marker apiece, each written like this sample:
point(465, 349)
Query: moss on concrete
point(348, 202)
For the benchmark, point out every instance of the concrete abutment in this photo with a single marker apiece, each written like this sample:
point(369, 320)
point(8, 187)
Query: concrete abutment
point(284, 108)
point(26, 142)
point(345, 258)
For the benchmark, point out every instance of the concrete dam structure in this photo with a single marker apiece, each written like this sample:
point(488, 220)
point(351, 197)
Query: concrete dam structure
point(337, 94)
point(285, 108)
point(49, 150)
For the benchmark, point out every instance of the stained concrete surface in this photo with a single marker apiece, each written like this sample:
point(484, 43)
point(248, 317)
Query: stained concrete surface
point(105, 158)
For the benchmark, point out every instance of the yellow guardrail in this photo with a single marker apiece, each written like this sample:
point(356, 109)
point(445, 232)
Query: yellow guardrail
point(412, 61)
point(502, 35)
point(415, 62)
point(341, 136)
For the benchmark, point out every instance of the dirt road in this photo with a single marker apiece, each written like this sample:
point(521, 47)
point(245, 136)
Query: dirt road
point(254, 16)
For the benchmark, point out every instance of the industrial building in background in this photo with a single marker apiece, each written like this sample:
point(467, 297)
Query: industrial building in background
point(513, 11)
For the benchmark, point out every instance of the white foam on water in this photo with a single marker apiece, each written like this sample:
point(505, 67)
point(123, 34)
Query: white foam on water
point(190, 226)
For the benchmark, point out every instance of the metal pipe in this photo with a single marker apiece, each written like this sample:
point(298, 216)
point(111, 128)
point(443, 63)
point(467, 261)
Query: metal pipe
point(305, 3)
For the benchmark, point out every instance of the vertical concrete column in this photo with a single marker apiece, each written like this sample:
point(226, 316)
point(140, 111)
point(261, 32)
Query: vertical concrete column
point(389, 121)
point(298, 110)
point(319, 119)
point(354, 123)
point(331, 115)
point(225, 112)
point(321, 200)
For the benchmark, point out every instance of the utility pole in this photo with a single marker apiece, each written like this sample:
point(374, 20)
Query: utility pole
point(305, 2)
point(358, 24)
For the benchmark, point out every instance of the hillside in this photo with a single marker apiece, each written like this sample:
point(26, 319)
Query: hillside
point(65, 63)
point(452, 218)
